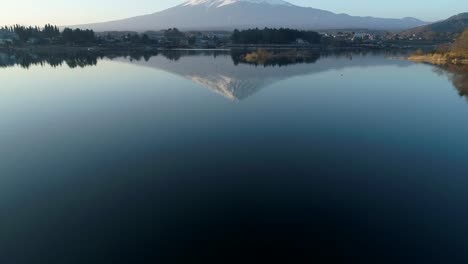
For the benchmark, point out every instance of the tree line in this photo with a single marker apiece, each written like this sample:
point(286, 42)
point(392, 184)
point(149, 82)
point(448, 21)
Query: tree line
point(274, 36)
point(50, 33)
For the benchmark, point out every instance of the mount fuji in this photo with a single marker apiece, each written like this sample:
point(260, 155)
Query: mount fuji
point(241, 14)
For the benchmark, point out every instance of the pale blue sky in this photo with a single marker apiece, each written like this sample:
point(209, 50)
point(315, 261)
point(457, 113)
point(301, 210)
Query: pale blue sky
point(64, 12)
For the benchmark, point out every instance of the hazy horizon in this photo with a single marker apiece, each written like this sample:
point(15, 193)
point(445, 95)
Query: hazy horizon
point(67, 12)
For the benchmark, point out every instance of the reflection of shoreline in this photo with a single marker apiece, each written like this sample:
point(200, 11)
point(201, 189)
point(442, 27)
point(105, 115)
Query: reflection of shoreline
point(73, 59)
point(458, 74)
point(81, 58)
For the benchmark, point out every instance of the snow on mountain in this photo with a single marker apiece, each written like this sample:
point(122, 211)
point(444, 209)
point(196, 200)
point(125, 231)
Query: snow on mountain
point(220, 3)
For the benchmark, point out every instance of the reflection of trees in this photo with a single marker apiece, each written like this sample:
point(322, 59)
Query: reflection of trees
point(71, 59)
point(171, 55)
point(26, 59)
point(288, 57)
point(82, 59)
point(90, 58)
point(358, 52)
point(274, 57)
point(458, 74)
point(175, 55)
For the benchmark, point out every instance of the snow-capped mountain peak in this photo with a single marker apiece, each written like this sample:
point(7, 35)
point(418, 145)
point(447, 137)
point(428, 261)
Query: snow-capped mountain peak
point(221, 3)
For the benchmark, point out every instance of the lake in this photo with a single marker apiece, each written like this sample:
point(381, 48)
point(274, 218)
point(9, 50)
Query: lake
point(182, 156)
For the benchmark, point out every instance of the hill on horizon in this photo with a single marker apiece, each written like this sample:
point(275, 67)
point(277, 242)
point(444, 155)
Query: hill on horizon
point(242, 14)
point(448, 29)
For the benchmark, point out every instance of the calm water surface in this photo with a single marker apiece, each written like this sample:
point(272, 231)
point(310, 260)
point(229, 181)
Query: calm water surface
point(186, 156)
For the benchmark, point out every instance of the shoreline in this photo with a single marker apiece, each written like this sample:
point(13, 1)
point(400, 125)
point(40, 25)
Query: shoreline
point(63, 49)
point(52, 49)
point(438, 59)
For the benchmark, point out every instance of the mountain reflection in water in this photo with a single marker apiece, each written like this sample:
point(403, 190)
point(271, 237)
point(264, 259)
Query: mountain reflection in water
point(227, 72)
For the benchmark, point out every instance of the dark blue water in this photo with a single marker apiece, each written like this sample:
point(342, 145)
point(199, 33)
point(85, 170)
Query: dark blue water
point(353, 158)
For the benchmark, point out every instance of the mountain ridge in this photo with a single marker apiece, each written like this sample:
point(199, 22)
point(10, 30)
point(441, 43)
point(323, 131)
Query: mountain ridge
point(242, 14)
point(449, 28)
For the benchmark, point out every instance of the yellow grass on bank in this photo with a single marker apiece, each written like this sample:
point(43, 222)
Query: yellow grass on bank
point(438, 59)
